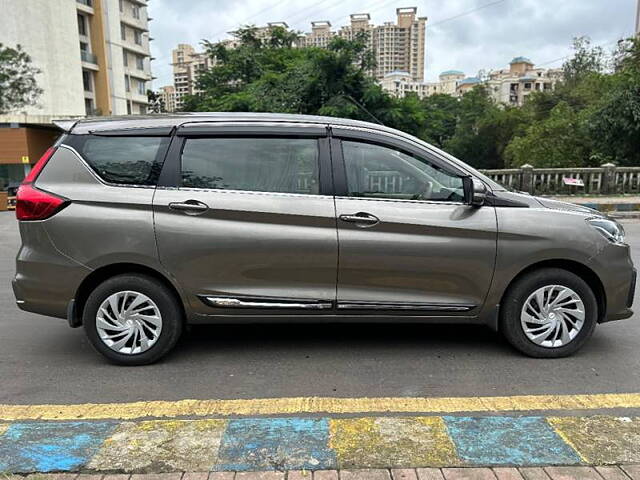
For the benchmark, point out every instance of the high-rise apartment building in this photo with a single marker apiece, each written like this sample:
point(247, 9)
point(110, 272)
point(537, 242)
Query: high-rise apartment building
point(93, 55)
point(167, 96)
point(398, 46)
point(187, 65)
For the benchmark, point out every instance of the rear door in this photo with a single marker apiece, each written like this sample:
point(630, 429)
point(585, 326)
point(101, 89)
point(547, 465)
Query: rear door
point(407, 241)
point(245, 219)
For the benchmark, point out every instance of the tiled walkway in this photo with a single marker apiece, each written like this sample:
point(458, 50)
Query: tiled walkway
point(623, 472)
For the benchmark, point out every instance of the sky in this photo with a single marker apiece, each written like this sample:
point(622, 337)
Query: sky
point(467, 35)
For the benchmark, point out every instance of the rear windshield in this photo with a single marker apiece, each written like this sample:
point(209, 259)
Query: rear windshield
point(123, 160)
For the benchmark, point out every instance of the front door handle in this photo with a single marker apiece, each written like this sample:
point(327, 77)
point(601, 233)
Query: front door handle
point(190, 207)
point(361, 219)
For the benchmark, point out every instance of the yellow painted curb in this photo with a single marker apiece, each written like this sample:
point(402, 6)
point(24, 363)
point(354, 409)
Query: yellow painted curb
point(328, 405)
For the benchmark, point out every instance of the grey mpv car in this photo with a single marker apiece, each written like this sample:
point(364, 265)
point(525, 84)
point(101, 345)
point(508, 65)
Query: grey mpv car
point(134, 227)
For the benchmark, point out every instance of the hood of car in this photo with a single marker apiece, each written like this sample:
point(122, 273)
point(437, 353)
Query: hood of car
point(568, 207)
point(521, 199)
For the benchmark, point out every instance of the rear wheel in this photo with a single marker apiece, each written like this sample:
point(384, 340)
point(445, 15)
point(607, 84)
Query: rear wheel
point(549, 313)
point(132, 319)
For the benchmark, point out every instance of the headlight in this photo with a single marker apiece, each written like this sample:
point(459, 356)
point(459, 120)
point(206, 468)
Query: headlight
point(610, 229)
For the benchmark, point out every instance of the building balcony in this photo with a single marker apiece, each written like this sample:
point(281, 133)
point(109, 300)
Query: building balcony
point(85, 6)
point(143, 49)
point(89, 60)
point(139, 74)
point(136, 97)
point(138, 23)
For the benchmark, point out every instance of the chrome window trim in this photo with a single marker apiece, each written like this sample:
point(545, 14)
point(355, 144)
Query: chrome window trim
point(402, 200)
point(250, 192)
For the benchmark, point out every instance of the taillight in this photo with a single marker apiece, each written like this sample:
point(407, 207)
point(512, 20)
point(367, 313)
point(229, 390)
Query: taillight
point(37, 168)
point(34, 204)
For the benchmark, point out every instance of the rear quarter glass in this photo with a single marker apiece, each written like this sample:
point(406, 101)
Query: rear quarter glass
point(126, 160)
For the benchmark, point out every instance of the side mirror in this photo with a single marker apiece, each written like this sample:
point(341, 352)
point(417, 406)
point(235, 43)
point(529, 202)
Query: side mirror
point(475, 191)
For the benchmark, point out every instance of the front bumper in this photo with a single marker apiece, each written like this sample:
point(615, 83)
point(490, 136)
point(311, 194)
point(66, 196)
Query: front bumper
point(627, 312)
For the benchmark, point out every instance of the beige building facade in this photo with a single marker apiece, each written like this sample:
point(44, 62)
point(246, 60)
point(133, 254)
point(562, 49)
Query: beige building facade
point(512, 86)
point(187, 65)
point(93, 55)
point(400, 83)
point(167, 97)
point(509, 86)
point(398, 46)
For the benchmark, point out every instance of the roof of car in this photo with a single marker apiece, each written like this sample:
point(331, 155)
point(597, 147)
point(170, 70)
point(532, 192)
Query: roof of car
point(101, 124)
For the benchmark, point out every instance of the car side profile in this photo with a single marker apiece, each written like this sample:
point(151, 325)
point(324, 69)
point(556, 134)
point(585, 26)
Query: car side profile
point(135, 227)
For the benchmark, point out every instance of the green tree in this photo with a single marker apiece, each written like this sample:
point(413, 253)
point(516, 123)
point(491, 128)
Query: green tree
point(440, 118)
point(615, 122)
point(473, 140)
point(558, 141)
point(18, 86)
point(585, 61)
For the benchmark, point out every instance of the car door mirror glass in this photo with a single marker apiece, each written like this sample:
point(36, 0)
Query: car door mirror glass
point(475, 191)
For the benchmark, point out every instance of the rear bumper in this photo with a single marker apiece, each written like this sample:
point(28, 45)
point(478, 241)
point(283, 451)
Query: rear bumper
point(46, 280)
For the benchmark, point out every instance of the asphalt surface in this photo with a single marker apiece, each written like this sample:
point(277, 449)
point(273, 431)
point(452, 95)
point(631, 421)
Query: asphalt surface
point(42, 360)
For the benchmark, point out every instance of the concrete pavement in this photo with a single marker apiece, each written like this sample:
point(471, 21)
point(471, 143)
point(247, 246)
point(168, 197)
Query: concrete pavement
point(326, 443)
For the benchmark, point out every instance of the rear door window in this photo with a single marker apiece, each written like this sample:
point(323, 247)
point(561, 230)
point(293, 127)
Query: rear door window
point(123, 160)
point(285, 165)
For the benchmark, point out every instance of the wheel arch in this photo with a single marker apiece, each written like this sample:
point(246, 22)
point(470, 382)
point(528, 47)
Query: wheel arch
point(101, 274)
point(580, 269)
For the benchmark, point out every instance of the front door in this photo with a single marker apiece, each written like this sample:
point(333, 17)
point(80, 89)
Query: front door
point(248, 227)
point(407, 242)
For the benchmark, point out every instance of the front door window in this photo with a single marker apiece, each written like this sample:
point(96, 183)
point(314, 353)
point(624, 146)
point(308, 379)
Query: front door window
point(374, 171)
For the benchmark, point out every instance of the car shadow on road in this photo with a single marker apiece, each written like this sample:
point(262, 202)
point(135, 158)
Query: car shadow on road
point(344, 336)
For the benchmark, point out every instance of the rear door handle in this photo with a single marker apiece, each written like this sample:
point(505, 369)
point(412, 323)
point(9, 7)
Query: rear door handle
point(191, 207)
point(361, 219)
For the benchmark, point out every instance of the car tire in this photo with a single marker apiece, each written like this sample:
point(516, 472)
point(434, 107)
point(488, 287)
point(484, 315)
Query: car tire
point(531, 338)
point(137, 300)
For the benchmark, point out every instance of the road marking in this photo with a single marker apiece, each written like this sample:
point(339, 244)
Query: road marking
point(317, 405)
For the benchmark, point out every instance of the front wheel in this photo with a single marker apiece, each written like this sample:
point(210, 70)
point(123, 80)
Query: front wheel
point(132, 319)
point(549, 313)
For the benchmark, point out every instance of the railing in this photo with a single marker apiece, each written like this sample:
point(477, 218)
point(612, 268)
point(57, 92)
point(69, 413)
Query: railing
point(88, 57)
point(605, 180)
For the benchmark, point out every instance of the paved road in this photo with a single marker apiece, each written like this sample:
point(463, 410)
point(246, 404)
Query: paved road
point(43, 361)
